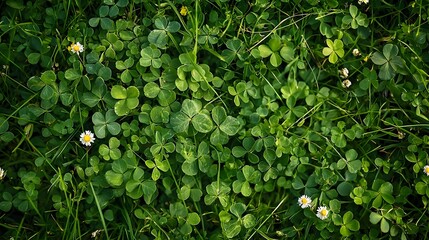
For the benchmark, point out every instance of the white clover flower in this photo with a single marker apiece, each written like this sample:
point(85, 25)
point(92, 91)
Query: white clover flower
point(426, 170)
point(344, 73)
point(76, 48)
point(2, 173)
point(346, 83)
point(356, 52)
point(322, 212)
point(95, 233)
point(363, 1)
point(86, 138)
point(304, 201)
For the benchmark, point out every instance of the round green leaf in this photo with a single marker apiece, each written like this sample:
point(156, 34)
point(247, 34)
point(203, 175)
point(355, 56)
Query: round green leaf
point(264, 51)
point(33, 58)
point(190, 168)
point(218, 115)
point(191, 107)
point(354, 225)
point(158, 38)
point(105, 73)
point(72, 74)
point(113, 178)
point(107, 24)
point(133, 92)
point(421, 188)
point(119, 92)
point(275, 60)
point(193, 219)
point(121, 108)
point(344, 188)
point(131, 103)
point(219, 138)
point(114, 128)
point(202, 123)
point(180, 122)
point(48, 77)
point(384, 225)
point(230, 126)
point(375, 218)
point(151, 90)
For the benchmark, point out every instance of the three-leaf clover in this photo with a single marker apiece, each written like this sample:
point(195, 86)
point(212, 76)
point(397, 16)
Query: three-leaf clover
point(389, 61)
point(150, 56)
point(225, 126)
point(98, 93)
point(112, 151)
point(347, 223)
point(247, 176)
point(128, 99)
point(105, 122)
point(191, 112)
point(355, 18)
point(217, 190)
point(158, 37)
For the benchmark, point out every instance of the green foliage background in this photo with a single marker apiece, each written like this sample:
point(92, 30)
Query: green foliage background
point(211, 121)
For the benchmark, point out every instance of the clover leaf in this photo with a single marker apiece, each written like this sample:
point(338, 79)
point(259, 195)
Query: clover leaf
point(334, 50)
point(105, 122)
point(150, 56)
point(271, 50)
point(191, 112)
point(355, 18)
point(159, 36)
point(234, 46)
point(98, 93)
point(247, 176)
point(225, 126)
point(165, 96)
point(128, 99)
point(348, 224)
point(126, 75)
point(217, 190)
point(389, 61)
point(112, 151)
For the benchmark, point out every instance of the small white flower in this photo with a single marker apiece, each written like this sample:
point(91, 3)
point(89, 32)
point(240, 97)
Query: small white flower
point(304, 201)
point(344, 73)
point(426, 170)
point(356, 52)
point(322, 212)
point(95, 233)
point(2, 173)
point(76, 48)
point(363, 1)
point(86, 138)
point(346, 83)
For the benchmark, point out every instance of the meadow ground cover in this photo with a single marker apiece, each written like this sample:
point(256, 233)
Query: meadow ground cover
point(140, 119)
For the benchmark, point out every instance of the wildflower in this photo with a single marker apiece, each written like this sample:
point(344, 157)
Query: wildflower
point(401, 134)
point(86, 138)
point(304, 201)
point(426, 170)
point(95, 233)
point(2, 173)
point(346, 83)
point(356, 52)
point(344, 73)
point(183, 11)
point(366, 58)
point(322, 212)
point(76, 48)
point(363, 1)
